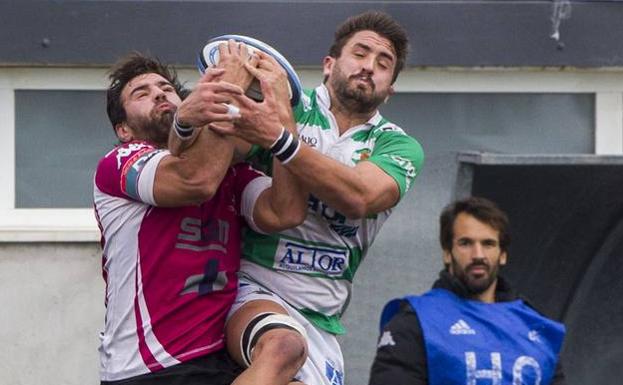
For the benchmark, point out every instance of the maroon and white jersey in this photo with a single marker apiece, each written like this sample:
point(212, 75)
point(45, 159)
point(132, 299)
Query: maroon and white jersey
point(170, 272)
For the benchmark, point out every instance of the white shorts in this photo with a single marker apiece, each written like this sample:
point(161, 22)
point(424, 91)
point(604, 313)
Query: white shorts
point(325, 363)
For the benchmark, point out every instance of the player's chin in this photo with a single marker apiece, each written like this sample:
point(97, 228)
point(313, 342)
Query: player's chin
point(163, 119)
point(363, 88)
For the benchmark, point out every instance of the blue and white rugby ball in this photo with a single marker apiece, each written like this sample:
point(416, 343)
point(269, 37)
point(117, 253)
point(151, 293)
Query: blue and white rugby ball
point(209, 56)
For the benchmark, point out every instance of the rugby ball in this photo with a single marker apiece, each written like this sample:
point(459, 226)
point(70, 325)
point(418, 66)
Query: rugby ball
point(209, 56)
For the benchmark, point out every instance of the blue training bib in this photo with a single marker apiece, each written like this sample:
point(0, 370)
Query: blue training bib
point(476, 343)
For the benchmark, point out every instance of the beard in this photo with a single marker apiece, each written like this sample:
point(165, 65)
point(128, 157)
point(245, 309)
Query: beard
point(155, 127)
point(355, 98)
point(476, 284)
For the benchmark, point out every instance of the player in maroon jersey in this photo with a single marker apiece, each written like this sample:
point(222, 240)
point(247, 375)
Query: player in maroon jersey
point(171, 224)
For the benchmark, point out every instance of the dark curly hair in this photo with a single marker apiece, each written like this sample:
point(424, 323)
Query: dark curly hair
point(378, 22)
point(126, 69)
point(480, 208)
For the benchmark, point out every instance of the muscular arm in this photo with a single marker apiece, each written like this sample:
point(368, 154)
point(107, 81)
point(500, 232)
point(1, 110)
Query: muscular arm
point(353, 191)
point(194, 176)
point(195, 173)
point(372, 186)
point(177, 145)
point(401, 355)
point(284, 203)
point(200, 162)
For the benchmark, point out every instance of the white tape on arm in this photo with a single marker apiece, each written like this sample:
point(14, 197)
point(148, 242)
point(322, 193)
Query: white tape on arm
point(148, 176)
point(249, 197)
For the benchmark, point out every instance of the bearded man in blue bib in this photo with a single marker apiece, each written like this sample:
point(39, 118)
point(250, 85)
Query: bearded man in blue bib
point(471, 327)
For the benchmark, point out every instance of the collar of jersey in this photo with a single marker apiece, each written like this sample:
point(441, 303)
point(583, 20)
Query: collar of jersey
point(323, 97)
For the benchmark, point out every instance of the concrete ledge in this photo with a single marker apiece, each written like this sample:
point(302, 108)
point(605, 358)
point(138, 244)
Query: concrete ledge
point(492, 159)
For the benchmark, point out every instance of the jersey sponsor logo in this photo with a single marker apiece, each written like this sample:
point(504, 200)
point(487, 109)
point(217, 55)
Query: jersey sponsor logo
point(336, 377)
point(328, 213)
point(309, 140)
point(311, 259)
point(211, 280)
point(345, 230)
point(337, 221)
point(407, 165)
point(212, 234)
point(526, 370)
point(361, 154)
point(386, 339)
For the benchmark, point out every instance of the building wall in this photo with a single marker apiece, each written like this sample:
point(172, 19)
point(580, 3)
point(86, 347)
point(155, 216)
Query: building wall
point(52, 300)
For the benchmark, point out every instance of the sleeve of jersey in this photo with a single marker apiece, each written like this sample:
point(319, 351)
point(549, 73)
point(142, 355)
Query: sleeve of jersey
point(129, 172)
point(401, 355)
point(400, 156)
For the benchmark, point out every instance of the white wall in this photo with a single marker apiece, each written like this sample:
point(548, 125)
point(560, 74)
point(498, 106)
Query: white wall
point(52, 301)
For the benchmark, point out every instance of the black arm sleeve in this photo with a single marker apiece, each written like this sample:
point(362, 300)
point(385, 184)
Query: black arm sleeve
point(401, 355)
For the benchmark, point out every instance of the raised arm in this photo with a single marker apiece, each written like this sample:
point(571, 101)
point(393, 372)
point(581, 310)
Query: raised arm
point(194, 175)
point(233, 57)
point(200, 157)
point(372, 186)
point(284, 203)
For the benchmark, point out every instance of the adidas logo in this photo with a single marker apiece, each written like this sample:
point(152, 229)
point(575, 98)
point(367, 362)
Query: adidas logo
point(461, 327)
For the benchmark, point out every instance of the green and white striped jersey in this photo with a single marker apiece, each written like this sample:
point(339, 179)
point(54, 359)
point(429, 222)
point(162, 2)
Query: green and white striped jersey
point(312, 266)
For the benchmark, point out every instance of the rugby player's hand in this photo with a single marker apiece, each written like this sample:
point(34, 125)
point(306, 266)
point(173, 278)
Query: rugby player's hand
point(257, 123)
point(207, 103)
point(234, 58)
point(274, 76)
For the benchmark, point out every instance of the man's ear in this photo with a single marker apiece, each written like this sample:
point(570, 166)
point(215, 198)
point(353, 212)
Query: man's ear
point(389, 93)
point(327, 65)
point(124, 133)
point(503, 258)
point(447, 257)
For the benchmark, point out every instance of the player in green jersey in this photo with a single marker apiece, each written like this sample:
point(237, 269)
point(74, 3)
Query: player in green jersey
point(356, 165)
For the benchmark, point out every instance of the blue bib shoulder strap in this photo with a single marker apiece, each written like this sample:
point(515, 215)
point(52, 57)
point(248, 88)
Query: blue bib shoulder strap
point(389, 311)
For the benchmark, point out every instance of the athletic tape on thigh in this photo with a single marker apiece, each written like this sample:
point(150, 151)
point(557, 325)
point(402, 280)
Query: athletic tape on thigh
point(262, 323)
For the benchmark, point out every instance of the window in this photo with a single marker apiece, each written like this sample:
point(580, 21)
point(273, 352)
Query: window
point(59, 137)
point(55, 129)
point(499, 122)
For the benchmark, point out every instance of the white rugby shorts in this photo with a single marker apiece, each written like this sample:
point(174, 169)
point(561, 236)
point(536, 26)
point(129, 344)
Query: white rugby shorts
point(325, 362)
